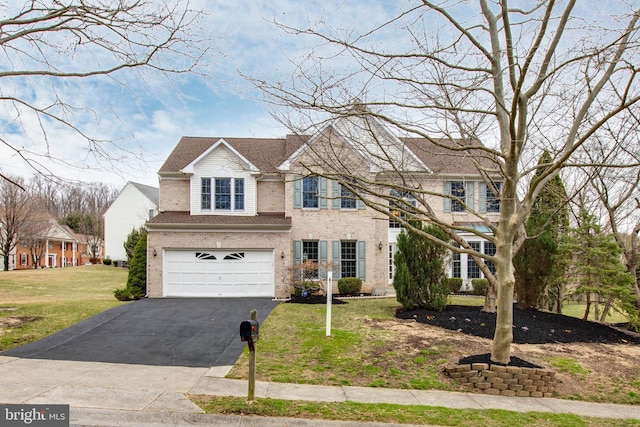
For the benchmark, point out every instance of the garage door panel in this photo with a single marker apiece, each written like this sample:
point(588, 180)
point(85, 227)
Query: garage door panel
point(215, 273)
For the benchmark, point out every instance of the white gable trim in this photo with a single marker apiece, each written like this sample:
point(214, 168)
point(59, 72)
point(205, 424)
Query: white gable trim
point(189, 169)
point(286, 165)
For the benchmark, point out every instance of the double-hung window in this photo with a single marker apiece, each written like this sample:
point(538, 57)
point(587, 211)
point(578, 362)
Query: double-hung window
point(401, 203)
point(224, 194)
point(493, 197)
point(347, 198)
point(310, 258)
point(490, 249)
point(457, 196)
point(456, 265)
point(348, 259)
point(310, 192)
point(473, 271)
point(205, 193)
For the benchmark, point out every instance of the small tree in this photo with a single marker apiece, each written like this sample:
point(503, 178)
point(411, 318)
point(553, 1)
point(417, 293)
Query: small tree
point(419, 279)
point(132, 241)
point(535, 263)
point(137, 280)
point(598, 268)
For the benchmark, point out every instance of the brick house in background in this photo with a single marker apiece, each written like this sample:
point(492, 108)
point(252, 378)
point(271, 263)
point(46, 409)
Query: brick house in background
point(56, 247)
point(237, 214)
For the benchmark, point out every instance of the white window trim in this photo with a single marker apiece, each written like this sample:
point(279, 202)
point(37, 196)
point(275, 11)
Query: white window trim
point(212, 185)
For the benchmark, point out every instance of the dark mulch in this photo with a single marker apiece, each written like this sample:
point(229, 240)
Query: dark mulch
point(486, 358)
point(315, 299)
point(529, 326)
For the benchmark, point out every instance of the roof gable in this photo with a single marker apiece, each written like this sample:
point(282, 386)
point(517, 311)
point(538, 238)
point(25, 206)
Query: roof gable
point(190, 168)
point(370, 140)
point(265, 154)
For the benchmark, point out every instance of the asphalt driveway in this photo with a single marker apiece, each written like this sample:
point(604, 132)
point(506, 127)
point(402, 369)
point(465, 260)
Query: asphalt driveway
point(196, 332)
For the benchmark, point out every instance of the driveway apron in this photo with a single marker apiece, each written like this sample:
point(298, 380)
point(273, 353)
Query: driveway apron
point(194, 332)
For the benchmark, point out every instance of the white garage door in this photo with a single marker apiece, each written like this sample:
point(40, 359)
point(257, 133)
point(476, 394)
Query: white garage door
point(218, 273)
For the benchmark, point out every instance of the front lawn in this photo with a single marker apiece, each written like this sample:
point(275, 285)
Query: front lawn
point(37, 303)
point(369, 346)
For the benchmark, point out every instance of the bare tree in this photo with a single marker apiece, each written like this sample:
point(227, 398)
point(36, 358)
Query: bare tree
point(546, 76)
point(616, 189)
point(51, 44)
point(14, 214)
point(35, 231)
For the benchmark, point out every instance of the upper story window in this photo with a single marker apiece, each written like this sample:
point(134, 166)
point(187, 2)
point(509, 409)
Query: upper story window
point(400, 205)
point(457, 191)
point(225, 194)
point(310, 192)
point(347, 198)
point(458, 196)
point(492, 196)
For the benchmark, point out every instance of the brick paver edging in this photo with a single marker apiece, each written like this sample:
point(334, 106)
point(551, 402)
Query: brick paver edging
point(504, 380)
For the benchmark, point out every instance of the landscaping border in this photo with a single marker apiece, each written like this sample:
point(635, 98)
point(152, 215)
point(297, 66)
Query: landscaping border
point(504, 380)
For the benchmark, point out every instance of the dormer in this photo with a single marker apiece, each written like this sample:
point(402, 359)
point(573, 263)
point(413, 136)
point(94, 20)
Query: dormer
point(222, 182)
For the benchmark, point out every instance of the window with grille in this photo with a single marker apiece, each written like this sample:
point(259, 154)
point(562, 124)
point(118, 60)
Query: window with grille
point(493, 198)
point(310, 192)
point(490, 249)
point(473, 271)
point(348, 260)
point(224, 194)
point(458, 196)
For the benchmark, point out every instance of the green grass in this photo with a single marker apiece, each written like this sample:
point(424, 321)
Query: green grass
point(389, 413)
point(569, 365)
point(356, 353)
point(576, 309)
point(48, 300)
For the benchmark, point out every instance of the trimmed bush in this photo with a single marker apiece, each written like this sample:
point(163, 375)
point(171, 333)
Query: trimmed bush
point(453, 284)
point(305, 289)
point(350, 286)
point(479, 286)
point(125, 294)
point(106, 261)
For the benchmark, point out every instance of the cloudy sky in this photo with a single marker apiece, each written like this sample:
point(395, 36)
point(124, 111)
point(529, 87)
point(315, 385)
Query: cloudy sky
point(144, 115)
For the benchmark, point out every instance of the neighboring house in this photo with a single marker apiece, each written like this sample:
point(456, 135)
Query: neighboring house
point(91, 248)
point(55, 246)
point(238, 215)
point(134, 206)
point(12, 261)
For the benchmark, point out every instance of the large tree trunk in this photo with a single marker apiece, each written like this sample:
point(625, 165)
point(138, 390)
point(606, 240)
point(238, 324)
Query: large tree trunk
point(490, 298)
point(503, 335)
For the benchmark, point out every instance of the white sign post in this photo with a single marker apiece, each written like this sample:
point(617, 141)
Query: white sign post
point(329, 299)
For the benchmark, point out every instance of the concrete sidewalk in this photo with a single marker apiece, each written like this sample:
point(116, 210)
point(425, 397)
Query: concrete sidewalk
point(109, 394)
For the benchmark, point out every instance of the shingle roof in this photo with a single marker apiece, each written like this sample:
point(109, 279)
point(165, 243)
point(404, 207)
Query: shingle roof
point(183, 218)
point(151, 193)
point(265, 153)
point(269, 153)
point(445, 161)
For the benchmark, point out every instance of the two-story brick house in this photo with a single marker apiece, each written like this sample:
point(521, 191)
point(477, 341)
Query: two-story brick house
point(238, 215)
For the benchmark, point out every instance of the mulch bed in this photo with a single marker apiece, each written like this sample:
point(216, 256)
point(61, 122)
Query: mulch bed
point(529, 326)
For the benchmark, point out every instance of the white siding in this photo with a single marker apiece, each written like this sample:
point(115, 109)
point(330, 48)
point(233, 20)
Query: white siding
point(222, 163)
point(130, 210)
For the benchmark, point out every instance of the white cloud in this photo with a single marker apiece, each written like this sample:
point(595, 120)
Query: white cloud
point(141, 115)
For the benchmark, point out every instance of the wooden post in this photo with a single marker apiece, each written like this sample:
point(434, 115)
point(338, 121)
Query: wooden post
point(252, 363)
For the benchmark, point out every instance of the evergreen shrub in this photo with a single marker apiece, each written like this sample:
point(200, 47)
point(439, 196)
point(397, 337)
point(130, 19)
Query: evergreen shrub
point(350, 286)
